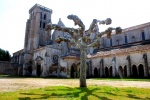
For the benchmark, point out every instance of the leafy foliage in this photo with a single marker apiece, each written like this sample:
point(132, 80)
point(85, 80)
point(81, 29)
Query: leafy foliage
point(4, 55)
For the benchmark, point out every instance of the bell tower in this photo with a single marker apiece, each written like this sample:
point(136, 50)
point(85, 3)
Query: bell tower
point(35, 34)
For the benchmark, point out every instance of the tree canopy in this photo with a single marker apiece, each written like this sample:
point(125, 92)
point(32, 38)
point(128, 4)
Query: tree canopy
point(4, 55)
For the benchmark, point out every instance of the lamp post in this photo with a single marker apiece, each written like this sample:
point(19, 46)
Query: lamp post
point(80, 39)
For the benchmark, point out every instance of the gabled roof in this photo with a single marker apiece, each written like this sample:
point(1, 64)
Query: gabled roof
point(39, 58)
point(60, 23)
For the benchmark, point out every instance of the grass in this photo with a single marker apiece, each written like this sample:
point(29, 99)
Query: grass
point(76, 93)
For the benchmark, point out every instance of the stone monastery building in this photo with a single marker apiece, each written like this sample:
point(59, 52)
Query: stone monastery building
point(124, 55)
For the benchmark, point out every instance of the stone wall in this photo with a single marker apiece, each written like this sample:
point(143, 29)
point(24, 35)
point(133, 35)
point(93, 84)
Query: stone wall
point(7, 69)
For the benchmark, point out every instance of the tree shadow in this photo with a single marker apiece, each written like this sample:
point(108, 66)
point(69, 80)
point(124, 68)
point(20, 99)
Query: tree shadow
point(133, 96)
point(64, 93)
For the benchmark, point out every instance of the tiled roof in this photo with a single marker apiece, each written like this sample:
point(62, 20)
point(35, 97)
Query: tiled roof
point(134, 49)
point(136, 27)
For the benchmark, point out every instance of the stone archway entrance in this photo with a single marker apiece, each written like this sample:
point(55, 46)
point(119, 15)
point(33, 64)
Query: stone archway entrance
point(134, 71)
point(141, 70)
point(95, 72)
point(106, 72)
point(74, 72)
point(38, 71)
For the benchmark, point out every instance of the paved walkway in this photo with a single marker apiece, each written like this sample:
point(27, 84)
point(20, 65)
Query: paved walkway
point(14, 84)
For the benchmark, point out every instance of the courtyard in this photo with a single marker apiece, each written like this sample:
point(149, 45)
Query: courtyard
point(27, 88)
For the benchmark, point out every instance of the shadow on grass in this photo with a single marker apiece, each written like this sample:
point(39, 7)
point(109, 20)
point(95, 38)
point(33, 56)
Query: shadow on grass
point(65, 93)
point(92, 92)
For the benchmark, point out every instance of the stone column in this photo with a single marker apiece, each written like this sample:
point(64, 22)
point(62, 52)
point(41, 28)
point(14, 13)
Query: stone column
point(146, 65)
point(101, 68)
point(114, 66)
point(128, 66)
point(90, 68)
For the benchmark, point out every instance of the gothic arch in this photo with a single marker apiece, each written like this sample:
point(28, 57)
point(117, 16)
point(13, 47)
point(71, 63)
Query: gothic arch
point(141, 70)
point(125, 71)
point(134, 71)
point(95, 72)
point(106, 72)
point(73, 71)
point(110, 71)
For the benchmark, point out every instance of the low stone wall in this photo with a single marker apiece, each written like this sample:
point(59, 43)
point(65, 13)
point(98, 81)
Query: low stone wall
point(7, 69)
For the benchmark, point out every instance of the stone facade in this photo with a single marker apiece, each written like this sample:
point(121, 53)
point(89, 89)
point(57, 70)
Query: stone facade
point(124, 55)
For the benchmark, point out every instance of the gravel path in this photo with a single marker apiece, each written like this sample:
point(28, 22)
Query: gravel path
point(14, 84)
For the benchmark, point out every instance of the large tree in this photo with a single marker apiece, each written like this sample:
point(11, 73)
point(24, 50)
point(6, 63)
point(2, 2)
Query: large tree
point(4, 55)
point(81, 39)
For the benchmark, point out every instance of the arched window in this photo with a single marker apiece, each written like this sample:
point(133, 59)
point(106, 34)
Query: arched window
point(44, 16)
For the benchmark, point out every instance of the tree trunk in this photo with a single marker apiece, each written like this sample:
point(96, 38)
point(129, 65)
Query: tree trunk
point(83, 65)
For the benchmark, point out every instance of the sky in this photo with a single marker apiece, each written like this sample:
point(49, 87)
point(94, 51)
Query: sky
point(14, 14)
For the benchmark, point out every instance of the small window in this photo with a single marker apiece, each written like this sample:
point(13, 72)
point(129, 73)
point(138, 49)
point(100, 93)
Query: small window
point(110, 41)
point(43, 25)
point(126, 40)
point(41, 16)
point(40, 24)
point(44, 16)
point(143, 36)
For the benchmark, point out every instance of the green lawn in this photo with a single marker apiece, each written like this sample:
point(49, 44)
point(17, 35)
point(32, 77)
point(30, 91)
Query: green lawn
point(75, 93)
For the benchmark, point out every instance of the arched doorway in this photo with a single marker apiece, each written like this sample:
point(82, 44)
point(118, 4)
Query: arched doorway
point(120, 71)
point(141, 70)
point(87, 71)
point(38, 72)
point(106, 72)
point(95, 72)
point(30, 69)
point(125, 71)
point(134, 71)
point(110, 71)
point(72, 72)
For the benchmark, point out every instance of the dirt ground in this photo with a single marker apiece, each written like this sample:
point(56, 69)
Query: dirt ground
point(14, 84)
